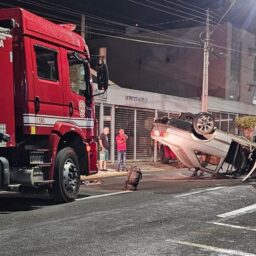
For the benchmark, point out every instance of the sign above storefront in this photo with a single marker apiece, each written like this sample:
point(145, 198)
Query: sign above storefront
point(135, 99)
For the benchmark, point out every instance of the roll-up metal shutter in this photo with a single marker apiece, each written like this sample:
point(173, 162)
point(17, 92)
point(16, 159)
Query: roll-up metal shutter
point(144, 143)
point(174, 114)
point(161, 114)
point(232, 128)
point(97, 117)
point(224, 122)
point(216, 116)
point(107, 123)
point(97, 113)
point(124, 119)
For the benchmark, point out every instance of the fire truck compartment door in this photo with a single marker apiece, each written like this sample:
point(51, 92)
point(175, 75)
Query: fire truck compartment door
point(7, 114)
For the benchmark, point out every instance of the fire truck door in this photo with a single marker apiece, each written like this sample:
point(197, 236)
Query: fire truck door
point(7, 115)
point(48, 97)
point(79, 93)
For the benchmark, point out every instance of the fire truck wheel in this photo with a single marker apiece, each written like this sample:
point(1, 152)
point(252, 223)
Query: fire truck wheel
point(66, 175)
point(163, 158)
point(203, 123)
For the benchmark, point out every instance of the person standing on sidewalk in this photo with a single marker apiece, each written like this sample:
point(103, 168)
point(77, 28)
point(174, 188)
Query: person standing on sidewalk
point(121, 139)
point(104, 149)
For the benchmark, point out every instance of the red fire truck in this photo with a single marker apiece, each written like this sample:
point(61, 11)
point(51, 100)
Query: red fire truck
point(46, 106)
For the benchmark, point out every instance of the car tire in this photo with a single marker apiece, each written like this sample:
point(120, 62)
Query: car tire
point(203, 123)
point(187, 117)
point(66, 175)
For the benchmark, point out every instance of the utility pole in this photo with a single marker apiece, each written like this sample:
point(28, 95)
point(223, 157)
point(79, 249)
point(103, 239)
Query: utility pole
point(83, 26)
point(206, 64)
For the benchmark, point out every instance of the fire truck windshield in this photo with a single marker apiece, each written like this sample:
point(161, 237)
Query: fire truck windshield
point(79, 75)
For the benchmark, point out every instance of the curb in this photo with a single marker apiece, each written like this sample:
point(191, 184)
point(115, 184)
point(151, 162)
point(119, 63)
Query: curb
point(146, 168)
point(100, 174)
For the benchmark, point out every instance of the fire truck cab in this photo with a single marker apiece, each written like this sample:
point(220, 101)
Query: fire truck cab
point(46, 106)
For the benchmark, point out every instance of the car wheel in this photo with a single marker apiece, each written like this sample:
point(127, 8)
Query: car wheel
point(203, 123)
point(163, 158)
point(187, 117)
point(67, 176)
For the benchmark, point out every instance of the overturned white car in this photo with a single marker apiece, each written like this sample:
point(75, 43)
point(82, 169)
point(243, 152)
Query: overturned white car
point(198, 144)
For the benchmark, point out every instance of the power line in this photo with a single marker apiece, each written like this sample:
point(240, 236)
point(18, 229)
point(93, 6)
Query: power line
point(179, 40)
point(160, 10)
point(108, 30)
point(232, 49)
point(148, 42)
point(95, 28)
point(104, 21)
point(188, 8)
point(191, 5)
point(223, 16)
point(175, 9)
point(199, 8)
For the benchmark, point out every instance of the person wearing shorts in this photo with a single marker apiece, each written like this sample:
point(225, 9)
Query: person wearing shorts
point(104, 149)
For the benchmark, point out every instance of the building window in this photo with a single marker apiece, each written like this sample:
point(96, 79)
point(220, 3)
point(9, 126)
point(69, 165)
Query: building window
point(46, 62)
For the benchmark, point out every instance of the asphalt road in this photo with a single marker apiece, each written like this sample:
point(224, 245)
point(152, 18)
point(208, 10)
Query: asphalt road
point(170, 214)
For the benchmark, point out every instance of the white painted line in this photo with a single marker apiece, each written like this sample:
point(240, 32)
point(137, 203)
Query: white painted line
point(198, 192)
point(238, 212)
point(104, 195)
point(8, 192)
point(233, 226)
point(212, 248)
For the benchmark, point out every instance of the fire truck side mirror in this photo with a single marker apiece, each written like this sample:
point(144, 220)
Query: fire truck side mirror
point(102, 76)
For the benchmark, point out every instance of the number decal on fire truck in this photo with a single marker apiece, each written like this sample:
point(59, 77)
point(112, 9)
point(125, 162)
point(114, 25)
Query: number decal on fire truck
point(1, 43)
point(40, 120)
point(81, 108)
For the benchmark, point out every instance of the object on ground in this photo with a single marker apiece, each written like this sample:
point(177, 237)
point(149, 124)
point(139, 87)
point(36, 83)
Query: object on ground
point(133, 178)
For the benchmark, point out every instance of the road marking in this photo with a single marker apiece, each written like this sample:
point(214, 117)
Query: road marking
point(198, 192)
point(212, 248)
point(239, 212)
point(232, 226)
point(104, 195)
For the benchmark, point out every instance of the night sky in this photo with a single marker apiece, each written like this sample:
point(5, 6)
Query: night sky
point(114, 15)
point(114, 18)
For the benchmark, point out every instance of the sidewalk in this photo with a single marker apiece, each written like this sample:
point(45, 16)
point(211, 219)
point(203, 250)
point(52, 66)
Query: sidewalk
point(145, 166)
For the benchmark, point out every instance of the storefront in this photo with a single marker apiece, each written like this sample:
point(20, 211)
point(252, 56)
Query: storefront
point(135, 111)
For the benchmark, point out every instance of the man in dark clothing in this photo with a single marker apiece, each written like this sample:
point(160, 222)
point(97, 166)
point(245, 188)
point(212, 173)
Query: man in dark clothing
point(104, 149)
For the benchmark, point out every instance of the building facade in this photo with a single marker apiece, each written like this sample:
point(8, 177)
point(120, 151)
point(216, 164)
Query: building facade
point(157, 81)
point(135, 111)
point(178, 71)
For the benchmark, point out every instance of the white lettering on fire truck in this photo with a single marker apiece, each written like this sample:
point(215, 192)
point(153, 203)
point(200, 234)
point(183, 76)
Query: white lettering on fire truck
point(1, 43)
point(40, 120)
